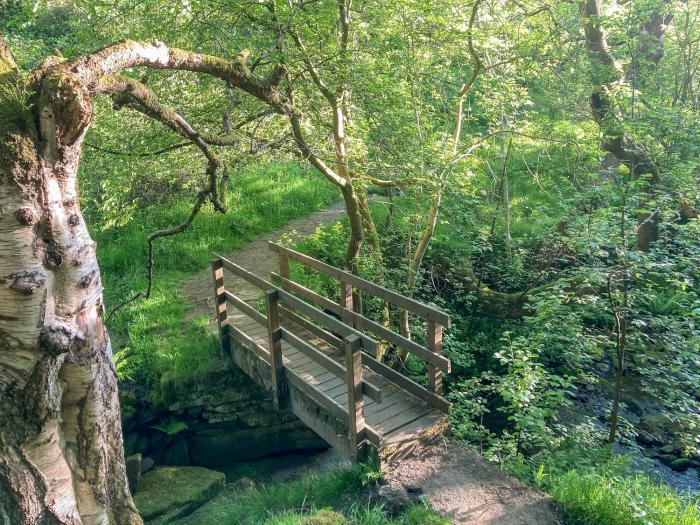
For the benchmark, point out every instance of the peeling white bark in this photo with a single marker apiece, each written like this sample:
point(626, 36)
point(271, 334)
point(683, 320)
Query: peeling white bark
point(61, 459)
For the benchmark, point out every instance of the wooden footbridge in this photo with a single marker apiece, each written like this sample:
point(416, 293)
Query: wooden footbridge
point(324, 368)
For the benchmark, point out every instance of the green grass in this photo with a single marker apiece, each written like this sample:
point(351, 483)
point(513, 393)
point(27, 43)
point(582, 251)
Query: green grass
point(593, 498)
point(153, 340)
point(334, 497)
point(594, 488)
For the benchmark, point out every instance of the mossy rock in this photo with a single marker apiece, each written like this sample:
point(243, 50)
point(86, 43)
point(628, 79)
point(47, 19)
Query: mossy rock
point(680, 464)
point(168, 493)
point(324, 517)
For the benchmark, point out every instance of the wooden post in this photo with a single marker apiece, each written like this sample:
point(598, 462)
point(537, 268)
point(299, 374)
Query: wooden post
point(356, 418)
point(220, 305)
point(274, 335)
point(284, 265)
point(434, 339)
point(346, 301)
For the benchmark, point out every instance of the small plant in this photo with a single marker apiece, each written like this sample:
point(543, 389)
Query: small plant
point(172, 427)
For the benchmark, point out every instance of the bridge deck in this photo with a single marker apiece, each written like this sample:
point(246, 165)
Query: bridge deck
point(307, 368)
point(399, 416)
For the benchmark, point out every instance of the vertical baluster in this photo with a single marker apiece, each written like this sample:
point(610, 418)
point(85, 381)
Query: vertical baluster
point(274, 335)
point(434, 338)
point(220, 305)
point(284, 265)
point(346, 302)
point(356, 418)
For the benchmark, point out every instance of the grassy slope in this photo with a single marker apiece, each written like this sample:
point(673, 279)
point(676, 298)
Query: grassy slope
point(153, 340)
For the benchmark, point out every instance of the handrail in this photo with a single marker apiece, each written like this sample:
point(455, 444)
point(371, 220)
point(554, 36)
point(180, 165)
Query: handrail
point(295, 303)
point(436, 318)
point(361, 321)
point(428, 312)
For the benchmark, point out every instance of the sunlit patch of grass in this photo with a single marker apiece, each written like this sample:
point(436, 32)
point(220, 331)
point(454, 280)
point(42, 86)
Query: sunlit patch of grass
point(154, 340)
point(601, 499)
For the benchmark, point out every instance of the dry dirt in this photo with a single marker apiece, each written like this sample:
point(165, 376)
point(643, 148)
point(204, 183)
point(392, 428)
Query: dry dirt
point(463, 486)
point(449, 477)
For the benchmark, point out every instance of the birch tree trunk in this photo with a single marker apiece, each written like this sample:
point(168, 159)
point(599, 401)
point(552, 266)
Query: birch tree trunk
point(61, 447)
point(61, 458)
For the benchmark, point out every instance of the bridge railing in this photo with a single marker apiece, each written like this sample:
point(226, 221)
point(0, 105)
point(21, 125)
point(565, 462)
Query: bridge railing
point(277, 302)
point(436, 319)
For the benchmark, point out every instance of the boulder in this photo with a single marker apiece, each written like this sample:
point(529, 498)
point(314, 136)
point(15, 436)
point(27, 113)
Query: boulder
point(169, 493)
point(666, 459)
point(647, 439)
point(146, 465)
point(667, 449)
point(133, 471)
point(657, 426)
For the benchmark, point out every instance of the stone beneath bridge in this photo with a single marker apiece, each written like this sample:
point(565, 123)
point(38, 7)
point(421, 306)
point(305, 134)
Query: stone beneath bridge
point(221, 419)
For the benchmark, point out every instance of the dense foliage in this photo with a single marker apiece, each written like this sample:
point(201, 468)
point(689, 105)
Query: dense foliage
point(513, 169)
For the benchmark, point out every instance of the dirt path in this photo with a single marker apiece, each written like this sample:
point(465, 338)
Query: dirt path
point(256, 257)
point(466, 488)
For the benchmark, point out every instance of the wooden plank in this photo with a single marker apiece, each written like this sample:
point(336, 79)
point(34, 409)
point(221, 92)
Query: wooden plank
point(406, 303)
point(381, 411)
point(328, 363)
point(312, 368)
point(319, 379)
point(327, 386)
point(274, 332)
point(247, 342)
point(404, 417)
point(249, 325)
point(414, 428)
point(361, 322)
point(406, 384)
point(246, 309)
point(318, 383)
point(300, 361)
point(318, 397)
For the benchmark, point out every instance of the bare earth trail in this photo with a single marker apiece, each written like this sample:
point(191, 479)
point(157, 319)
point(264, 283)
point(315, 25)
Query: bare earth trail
point(256, 257)
point(452, 479)
point(463, 486)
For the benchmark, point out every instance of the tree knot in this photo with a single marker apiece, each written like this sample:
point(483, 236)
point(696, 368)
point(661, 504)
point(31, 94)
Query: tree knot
point(58, 338)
